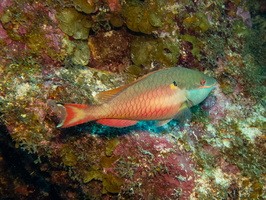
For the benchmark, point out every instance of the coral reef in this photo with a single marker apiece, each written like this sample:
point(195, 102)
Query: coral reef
point(117, 42)
point(69, 50)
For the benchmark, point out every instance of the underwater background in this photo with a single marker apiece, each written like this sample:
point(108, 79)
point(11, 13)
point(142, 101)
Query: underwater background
point(69, 50)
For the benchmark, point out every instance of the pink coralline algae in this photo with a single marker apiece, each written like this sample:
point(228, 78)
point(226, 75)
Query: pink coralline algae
point(53, 36)
point(218, 111)
point(15, 48)
point(5, 4)
point(159, 167)
point(114, 5)
point(208, 103)
point(245, 15)
point(3, 33)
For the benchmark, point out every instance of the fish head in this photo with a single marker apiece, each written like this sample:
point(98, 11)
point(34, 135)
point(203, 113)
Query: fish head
point(196, 84)
point(201, 86)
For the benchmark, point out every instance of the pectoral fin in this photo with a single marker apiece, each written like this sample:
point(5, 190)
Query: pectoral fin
point(184, 114)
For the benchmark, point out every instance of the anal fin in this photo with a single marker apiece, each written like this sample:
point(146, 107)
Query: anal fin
point(117, 122)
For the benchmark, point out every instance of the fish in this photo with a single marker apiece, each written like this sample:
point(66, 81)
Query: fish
point(159, 96)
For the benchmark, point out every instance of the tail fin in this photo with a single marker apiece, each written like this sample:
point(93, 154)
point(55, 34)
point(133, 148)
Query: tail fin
point(73, 114)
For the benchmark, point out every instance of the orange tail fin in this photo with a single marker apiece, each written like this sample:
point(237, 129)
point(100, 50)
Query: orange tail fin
point(73, 114)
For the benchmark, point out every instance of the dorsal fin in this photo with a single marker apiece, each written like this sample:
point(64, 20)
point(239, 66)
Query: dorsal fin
point(104, 96)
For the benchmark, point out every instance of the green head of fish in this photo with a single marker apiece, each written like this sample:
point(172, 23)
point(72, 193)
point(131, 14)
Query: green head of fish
point(197, 84)
point(201, 86)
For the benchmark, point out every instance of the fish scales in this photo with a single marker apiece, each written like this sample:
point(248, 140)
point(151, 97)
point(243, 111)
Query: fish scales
point(158, 99)
point(158, 96)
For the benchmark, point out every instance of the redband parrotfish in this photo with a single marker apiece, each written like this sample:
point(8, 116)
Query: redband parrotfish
point(159, 96)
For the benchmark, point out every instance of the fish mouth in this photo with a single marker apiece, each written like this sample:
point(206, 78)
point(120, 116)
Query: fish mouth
point(215, 84)
point(208, 86)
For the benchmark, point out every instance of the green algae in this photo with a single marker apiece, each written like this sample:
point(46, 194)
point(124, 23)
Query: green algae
point(74, 23)
point(112, 144)
point(132, 13)
point(247, 157)
point(197, 22)
point(240, 29)
point(257, 190)
point(111, 183)
point(35, 43)
point(90, 175)
point(143, 17)
point(155, 19)
point(195, 42)
point(107, 161)
point(227, 87)
point(69, 159)
point(78, 51)
point(134, 70)
point(242, 152)
point(145, 50)
point(117, 20)
point(6, 16)
point(84, 6)
point(69, 156)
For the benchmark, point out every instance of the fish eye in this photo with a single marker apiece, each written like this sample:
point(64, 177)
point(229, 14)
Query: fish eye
point(202, 82)
point(175, 84)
